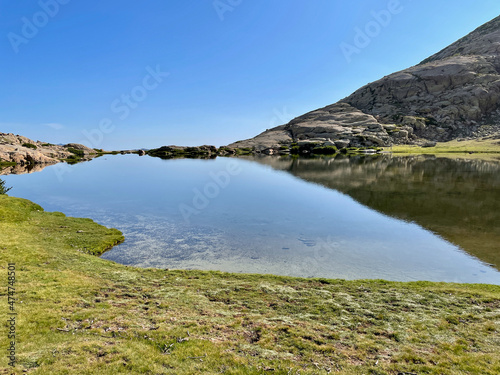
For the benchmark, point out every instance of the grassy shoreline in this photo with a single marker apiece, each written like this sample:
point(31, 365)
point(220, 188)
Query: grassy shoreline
point(81, 314)
point(484, 146)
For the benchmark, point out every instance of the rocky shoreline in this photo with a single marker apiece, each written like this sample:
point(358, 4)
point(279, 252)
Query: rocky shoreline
point(312, 147)
point(19, 150)
point(452, 95)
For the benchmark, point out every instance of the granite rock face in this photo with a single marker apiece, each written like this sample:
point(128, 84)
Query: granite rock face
point(269, 139)
point(452, 94)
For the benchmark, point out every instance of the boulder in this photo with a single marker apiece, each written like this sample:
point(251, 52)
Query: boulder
point(375, 140)
point(400, 134)
point(342, 143)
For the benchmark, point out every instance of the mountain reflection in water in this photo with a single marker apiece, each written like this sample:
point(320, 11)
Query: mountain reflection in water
point(455, 198)
point(326, 217)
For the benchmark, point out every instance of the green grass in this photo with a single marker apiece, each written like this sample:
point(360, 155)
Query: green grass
point(79, 314)
point(485, 146)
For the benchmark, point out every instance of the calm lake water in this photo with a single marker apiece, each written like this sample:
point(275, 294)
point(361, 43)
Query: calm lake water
point(394, 218)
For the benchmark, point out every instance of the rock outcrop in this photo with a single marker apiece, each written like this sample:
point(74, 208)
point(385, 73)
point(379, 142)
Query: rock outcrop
point(452, 94)
point(24, 151)
point(171, 152)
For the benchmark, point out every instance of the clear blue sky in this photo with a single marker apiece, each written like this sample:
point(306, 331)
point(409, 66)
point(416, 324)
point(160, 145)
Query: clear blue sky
point(70, 66)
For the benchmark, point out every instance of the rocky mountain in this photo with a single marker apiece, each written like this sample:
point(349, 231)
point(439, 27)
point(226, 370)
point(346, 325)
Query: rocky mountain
point(452, 94)
point(24, 151)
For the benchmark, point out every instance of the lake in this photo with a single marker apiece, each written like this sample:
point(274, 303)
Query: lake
point(372, 217)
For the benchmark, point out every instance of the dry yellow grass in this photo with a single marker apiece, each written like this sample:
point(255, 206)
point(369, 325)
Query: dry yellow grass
point(483, 149)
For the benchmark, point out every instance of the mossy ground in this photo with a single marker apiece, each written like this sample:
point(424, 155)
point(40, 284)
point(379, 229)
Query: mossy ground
point(79, 314)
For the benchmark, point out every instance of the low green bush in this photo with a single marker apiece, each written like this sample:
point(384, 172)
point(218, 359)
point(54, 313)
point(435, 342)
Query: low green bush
point(78, 153)
point(325, 150)
point(30, 145)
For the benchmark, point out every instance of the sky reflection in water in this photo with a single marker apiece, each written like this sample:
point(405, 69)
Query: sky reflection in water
point(257, 219)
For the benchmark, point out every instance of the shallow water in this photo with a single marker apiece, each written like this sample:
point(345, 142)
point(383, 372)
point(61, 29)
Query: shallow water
point(285, 216)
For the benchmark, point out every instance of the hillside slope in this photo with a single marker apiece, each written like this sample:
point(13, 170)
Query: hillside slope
point(452, 94)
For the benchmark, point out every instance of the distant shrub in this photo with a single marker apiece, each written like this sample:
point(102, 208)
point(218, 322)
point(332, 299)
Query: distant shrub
point(3, 189)
point(431, 121)
point(325, 150)
point(244, 151)
point(29, 145)
point(76, 152)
